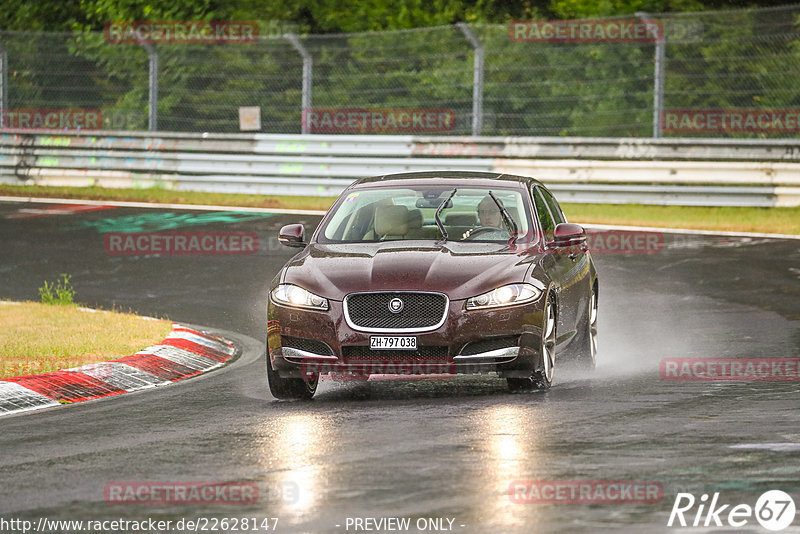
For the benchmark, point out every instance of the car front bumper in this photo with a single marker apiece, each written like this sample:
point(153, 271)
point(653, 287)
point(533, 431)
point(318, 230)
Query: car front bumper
point(505, 340)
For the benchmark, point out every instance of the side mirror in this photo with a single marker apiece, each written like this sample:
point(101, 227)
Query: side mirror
point(292, 235)
point(568, 235)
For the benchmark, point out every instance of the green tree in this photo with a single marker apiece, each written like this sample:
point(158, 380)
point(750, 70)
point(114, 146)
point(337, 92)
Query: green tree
point(41, 15)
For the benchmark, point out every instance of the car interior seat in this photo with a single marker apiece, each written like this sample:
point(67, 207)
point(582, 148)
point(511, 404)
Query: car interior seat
point(391, 222)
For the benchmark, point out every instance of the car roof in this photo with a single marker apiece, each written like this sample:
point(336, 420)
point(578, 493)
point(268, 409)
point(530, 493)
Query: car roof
point(478, 178)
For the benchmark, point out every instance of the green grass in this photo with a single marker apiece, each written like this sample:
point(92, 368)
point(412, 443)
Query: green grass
point(60, 293)
point(768, 220)
point(167, 196)
point(38, 338)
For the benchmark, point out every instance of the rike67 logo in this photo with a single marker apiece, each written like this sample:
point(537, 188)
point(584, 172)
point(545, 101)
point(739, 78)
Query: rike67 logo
point(774, 510)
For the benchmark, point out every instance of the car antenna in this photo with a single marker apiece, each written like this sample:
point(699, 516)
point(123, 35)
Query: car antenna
point(507, 217)
point(439, 211)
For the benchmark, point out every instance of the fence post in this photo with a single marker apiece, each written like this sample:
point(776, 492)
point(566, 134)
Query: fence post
point(3, 86)
point(307, 71)
point(152, 115)
point(477, 78)
point(658, 75)
point(658, 82)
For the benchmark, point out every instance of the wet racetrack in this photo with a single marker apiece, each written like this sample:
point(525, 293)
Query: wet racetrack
point(447, 448)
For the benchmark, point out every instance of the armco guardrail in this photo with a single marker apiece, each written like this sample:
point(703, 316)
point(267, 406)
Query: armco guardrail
point(711, 172)
point(602, 148)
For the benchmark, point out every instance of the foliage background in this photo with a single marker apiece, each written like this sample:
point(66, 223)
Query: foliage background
point(378, 54)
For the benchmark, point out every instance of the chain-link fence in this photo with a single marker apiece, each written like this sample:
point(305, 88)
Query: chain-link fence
point(493, 80)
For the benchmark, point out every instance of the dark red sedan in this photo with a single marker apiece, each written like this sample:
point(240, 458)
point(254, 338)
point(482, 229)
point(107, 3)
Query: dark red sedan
point(433, 273)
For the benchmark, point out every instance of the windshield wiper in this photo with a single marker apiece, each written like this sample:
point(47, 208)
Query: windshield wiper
point(439, 212)
point(507, 217)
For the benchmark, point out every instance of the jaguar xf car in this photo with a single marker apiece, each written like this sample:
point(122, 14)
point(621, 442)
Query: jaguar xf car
point(433, 273)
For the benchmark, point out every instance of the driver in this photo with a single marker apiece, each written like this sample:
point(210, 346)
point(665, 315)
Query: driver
point(489, 212)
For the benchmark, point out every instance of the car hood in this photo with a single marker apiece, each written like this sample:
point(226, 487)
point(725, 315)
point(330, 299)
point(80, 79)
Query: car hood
point(461, 270)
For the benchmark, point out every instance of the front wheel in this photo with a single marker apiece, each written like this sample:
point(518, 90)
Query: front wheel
point(541, 378)
point(290, 388)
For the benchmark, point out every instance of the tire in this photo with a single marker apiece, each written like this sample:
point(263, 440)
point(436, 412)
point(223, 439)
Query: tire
point(541, 379)
point(586, 351)
point(290, 388)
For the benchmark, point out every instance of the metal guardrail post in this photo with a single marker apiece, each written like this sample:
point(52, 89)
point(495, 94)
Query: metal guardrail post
point(477, 78)
point(307, 71)
point(152, 115)
point(658, 75)
point(3, 86)
point(658, 98)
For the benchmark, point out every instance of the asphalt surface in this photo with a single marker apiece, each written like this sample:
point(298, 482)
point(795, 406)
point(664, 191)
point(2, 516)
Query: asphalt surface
point(411, 449)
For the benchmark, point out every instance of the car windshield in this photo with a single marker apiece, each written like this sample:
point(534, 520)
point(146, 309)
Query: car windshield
point(391, 214)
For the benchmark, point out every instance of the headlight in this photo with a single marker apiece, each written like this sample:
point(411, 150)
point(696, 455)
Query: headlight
point(297, 297)
point(509, 295)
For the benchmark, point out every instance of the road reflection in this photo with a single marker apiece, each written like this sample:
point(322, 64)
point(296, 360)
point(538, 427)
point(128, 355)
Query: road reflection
point(512, 450)
point(298, 447)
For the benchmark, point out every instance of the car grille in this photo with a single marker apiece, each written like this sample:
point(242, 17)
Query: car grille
point(363, 353)
point(420, 310)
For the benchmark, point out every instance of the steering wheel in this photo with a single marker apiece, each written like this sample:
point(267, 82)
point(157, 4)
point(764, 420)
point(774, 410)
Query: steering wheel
point(472, 232)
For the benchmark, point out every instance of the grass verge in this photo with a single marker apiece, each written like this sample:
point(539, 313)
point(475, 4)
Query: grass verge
point(767, 220)
point(727, 219)
point(166, 196)
point(38, 338)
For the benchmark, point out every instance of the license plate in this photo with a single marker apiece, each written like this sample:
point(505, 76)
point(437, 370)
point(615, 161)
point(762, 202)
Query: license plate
point(393, 342)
